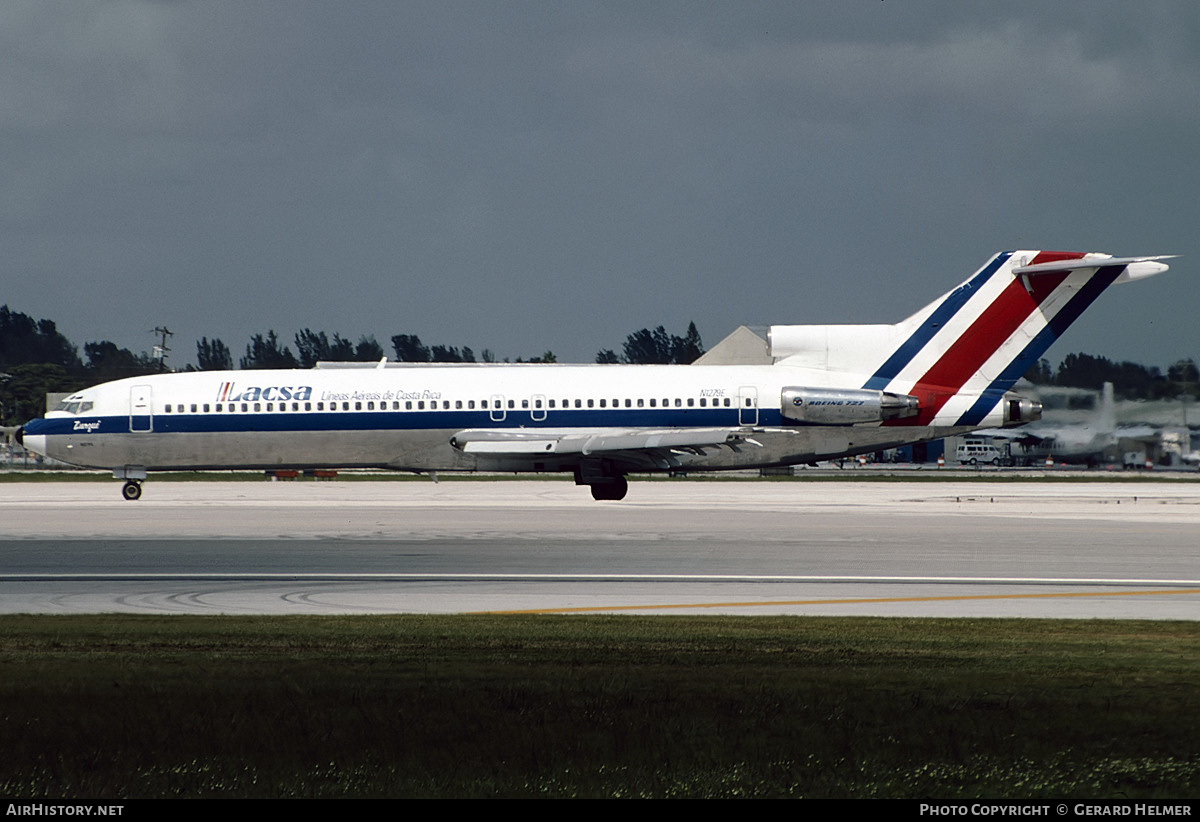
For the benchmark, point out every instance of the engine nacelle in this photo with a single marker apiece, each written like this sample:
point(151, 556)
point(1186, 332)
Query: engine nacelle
point(845, 406)
point(1019, 410)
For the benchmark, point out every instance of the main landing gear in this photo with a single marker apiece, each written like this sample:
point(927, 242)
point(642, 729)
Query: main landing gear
point(605, 478)
point(615, 489)
point(131, 490)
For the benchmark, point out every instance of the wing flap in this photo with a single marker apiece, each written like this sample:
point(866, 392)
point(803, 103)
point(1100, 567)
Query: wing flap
point(518, 442)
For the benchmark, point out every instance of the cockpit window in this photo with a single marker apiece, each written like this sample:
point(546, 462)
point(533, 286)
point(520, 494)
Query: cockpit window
point(74, 405)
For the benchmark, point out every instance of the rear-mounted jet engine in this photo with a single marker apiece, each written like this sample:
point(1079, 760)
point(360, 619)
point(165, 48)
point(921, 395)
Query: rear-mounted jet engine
point(845, 406)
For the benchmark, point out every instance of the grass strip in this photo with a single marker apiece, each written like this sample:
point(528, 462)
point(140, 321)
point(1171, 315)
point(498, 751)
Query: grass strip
point(597, 706)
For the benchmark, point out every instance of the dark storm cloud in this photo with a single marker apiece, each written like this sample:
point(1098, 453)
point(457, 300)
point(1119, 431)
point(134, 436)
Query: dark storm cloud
point(522, 176)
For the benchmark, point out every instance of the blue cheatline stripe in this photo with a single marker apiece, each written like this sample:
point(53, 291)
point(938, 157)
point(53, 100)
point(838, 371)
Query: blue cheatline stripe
point(397, 421)
point(941, 315)
point(1059, 323)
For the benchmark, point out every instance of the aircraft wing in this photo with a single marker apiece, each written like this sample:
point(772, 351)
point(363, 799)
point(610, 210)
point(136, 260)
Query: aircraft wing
point(516, 442)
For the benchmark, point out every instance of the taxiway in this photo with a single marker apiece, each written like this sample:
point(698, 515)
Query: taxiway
point(901, 548)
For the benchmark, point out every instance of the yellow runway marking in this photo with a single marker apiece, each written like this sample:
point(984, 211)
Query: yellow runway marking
point(860, 601)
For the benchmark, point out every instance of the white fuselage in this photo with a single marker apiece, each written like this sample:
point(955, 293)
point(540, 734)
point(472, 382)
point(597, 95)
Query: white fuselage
point(405, 417)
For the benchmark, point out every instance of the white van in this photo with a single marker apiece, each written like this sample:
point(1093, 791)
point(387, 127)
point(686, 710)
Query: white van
point(976, 450)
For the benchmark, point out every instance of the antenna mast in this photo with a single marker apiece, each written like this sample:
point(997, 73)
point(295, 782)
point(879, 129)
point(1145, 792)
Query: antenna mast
point(160, 350)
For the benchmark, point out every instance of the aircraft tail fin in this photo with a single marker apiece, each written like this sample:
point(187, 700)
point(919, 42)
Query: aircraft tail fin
point(1106, 418)
point(962, 352)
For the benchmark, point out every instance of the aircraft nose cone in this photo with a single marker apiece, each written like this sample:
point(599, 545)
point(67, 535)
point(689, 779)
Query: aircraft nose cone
point(31, 442)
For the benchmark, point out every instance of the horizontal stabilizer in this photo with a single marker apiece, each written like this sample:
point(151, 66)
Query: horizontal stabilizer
point(1136, 268)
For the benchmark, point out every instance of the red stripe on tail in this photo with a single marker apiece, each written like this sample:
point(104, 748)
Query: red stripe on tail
point(995, 325)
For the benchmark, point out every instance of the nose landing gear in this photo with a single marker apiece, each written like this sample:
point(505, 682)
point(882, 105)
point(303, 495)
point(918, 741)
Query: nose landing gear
point(133, 476)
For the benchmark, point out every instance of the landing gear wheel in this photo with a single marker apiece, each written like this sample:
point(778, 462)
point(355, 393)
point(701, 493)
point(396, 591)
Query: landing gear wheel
point(614, 490)
point(131, 490)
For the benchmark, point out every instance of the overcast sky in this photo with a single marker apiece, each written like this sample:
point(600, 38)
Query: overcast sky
point(523, 176)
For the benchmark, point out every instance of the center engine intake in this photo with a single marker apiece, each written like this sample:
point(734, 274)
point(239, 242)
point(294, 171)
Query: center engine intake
point(1019, 410)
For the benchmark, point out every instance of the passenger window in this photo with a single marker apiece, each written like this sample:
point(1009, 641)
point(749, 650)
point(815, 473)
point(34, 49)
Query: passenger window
point(270, 406)
point(258, 406)
point(371, 405)
point(457, 404)
point(691, 402)
point(168, 409)
point(602, 403)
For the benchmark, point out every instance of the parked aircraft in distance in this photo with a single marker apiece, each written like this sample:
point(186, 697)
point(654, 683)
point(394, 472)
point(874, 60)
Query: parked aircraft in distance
point(1090, 441)
point(832, 391)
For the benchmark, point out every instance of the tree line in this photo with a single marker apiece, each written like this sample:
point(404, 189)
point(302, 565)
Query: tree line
point(269, 351)
point(1131, 381)
point(36, 359)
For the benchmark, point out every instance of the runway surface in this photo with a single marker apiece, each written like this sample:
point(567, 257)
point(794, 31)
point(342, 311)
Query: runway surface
point(1121, 549)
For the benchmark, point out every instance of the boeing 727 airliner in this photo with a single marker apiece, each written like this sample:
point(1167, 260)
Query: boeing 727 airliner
point(832, 391)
